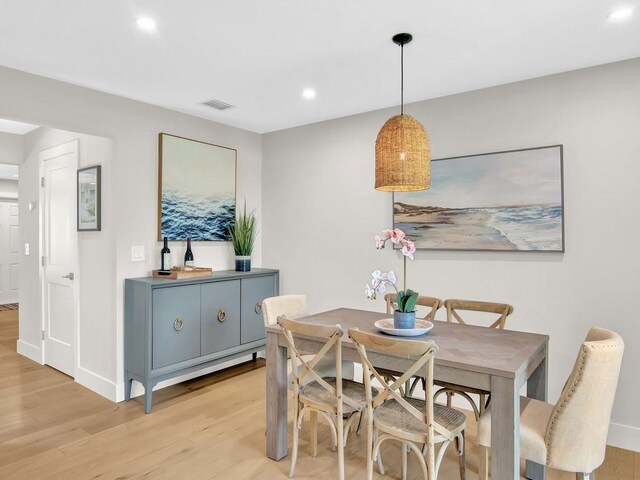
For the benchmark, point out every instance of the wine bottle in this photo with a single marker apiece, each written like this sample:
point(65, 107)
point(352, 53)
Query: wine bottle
point(188, 256)
point(165, 256)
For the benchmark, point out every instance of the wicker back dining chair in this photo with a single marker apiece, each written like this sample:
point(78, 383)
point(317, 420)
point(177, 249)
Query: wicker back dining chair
point(417, 424)
point(497, 314)
point(294, 307)
point(572, 434)
point(340, 401)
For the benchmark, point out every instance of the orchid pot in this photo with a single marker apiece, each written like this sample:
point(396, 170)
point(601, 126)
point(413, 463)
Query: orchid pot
point(402, 320)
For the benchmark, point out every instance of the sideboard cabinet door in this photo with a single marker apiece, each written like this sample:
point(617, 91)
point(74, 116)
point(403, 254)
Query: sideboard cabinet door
point(176, 325)
point(254, 291)
point(220, 316)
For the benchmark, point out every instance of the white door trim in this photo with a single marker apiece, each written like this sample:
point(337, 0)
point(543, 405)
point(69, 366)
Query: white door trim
point(48, 153)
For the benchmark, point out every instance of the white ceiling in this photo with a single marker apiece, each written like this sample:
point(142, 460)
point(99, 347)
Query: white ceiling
point(258, 55)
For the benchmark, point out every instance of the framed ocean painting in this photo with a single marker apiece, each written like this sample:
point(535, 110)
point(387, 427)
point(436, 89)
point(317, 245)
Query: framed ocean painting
point(196, 189)
point(504, 201)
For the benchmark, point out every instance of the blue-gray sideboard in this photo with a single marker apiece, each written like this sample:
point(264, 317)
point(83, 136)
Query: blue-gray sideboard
point(174, 327)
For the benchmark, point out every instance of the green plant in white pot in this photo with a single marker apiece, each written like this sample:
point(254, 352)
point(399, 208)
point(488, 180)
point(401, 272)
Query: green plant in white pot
point(243, 236)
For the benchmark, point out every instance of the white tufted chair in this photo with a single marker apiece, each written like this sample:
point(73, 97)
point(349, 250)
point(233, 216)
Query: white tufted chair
point(572, 434)
point(294, 307)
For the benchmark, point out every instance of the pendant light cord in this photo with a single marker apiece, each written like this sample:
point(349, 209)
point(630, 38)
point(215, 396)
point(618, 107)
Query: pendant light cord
point(402, 79)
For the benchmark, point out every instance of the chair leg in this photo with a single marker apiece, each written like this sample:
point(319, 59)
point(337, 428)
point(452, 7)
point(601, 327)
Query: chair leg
point(370, 440)
point(313, 421)
point(461, 447)
point(379, 455)
point(483, 469)
point(405, 454)
point(294, 449)
point(586, 476)
point(340, 428)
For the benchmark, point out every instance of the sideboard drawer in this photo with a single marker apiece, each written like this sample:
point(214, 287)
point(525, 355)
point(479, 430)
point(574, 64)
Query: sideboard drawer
point(254, 291)
point(220, 316)
point(176, 325)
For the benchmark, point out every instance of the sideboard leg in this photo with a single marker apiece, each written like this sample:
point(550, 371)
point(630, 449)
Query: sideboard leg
point(148, 393)
point(127, 387)
point(255, 356)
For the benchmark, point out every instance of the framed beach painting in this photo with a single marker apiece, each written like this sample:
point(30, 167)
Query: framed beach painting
point(504, 201)
point(196, 189)
point(89, 194)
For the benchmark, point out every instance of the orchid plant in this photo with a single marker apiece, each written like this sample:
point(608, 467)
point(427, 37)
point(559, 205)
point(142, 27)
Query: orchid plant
point(406, 299)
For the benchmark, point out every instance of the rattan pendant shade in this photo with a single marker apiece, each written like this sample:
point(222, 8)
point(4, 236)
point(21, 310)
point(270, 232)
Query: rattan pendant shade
point(403, 155)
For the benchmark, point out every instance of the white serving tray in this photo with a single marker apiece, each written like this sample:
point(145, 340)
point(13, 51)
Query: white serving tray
point(386, 326)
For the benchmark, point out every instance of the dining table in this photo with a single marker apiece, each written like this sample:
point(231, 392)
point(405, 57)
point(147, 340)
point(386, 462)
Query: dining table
point(496, 360)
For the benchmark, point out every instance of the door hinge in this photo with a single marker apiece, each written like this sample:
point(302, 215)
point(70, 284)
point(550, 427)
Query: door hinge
point(42, 260)
point(42, 334)
point(42, 181)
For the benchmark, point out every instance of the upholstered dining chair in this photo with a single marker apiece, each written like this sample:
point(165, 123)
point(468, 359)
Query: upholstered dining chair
point(497, 314)
point(432, 305)
point(417, 424)
point(572, 434)
point(294, 307)
point(340, 401)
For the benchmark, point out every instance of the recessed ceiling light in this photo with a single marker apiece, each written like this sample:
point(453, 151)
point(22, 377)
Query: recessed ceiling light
point(147, 24)
point(309, 93)
point(620, 14)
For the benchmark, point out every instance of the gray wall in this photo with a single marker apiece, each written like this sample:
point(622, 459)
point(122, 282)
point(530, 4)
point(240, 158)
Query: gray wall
point(11, 148)
point(133, 127)
point(321, 213)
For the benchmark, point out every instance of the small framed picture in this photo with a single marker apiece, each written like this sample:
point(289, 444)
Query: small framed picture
point(89, 192)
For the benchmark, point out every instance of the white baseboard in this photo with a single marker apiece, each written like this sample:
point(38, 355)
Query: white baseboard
point(30, 351)
point(96, 383)
point(624, 436)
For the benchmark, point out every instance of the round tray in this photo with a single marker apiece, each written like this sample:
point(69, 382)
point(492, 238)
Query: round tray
point(386, 326)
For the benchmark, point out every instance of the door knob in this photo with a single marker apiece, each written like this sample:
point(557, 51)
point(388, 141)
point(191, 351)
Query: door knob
point(69, 276)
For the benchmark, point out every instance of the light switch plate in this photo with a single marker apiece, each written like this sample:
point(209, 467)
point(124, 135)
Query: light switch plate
point(137, 253)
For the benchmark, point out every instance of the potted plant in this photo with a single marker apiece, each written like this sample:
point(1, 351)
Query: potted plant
point(404, 315)
point(243, 236)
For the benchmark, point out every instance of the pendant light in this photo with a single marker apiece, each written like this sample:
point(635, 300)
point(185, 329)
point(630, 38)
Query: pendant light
point(403, 157)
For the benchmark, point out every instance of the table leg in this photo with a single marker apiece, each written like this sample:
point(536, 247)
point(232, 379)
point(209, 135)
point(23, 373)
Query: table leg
point(537, 388)
point(505, 429)
point(276, 398)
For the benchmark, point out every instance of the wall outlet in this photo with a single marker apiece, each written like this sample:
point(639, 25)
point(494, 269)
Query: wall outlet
point(26, 249)
point(137, 253)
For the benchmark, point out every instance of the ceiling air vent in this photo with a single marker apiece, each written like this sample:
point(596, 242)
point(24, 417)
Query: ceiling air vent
point(217, 104)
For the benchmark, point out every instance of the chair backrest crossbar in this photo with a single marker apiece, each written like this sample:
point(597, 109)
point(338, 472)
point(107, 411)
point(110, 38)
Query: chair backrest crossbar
point(454, 307)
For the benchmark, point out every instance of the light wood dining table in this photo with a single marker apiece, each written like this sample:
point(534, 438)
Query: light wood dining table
point(500, 361)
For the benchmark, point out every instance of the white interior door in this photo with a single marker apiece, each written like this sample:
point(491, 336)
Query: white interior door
point(9, 252)
point(59, 166)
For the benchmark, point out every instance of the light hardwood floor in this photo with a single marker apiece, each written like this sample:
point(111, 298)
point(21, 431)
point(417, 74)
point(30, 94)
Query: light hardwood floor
point(207, 428)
